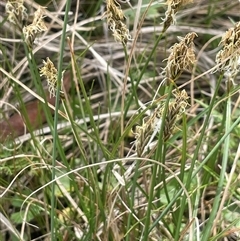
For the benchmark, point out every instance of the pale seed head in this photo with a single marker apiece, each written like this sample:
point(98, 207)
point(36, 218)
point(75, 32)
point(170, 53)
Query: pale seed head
point(115, 18)
point(182, 57)
point(173, 8)
point(151, 124)
point(37, 26)
point(228, 57)
point(50, 72)
point(16, 12)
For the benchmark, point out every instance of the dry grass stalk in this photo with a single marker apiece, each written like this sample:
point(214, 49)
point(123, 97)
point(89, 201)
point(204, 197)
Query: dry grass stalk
point(145, 133)
point(173, 8)
point(229, 56)
point(115, 18)
point(182, 57)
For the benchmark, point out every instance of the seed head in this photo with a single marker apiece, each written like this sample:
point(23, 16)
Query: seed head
point(37, 26)
point(16, 12)
point(173, 8)
point(115, 18)
point(50, 72)
point(175, 110)
point(151, 125)
point(143, 133)
point(229, 57)
point(182, 57)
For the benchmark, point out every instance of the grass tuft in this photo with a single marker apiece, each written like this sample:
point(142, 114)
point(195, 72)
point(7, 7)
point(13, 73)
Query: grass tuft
point(119, 121)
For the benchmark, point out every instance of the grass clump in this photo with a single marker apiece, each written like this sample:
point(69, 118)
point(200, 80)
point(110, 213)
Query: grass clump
point(116, 127)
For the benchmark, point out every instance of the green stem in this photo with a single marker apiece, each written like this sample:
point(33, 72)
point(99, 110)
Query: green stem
point(216, 202)
point(55, 135)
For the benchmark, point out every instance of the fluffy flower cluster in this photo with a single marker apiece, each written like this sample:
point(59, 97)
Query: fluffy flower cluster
point(147, 132)
point(228, 58)
point(182, 57)
point(50, 72)
point(16, 12)
point(173, 8)
point(115, 18)
point(37, 26)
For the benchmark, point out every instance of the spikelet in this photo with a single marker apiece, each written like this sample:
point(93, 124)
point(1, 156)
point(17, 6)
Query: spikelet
point(16, 12)
point(115, 18)
point(173, 8)
point(228, 58)
point(37, 26)
point(174, 112)
point(182, 57)
point(147, 132)
point(50, 72)
point(144, 133)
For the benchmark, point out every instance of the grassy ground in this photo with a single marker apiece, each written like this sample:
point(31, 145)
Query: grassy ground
point(120, 128)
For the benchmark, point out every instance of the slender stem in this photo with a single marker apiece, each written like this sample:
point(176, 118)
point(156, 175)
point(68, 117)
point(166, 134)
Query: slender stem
point(53, 201)
point(211, 223)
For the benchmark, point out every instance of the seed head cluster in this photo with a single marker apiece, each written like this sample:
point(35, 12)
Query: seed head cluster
point(173, 8)
point(151, 125)
point(228, 58)
point(50, 72)
point(115, 18)
point(182, 57)
point(16, 12)
point(37, 26)
point(174, 112)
